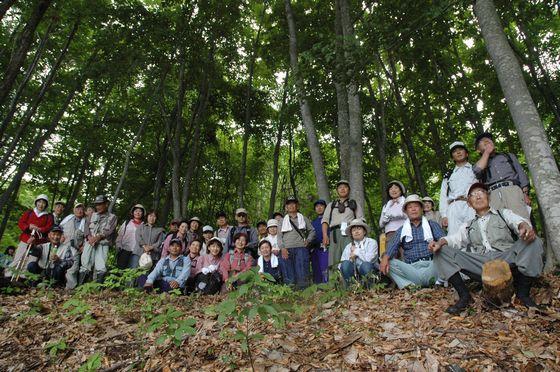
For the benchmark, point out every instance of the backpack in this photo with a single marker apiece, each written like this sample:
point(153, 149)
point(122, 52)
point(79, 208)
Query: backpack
point(208, 284)
point(351, 204)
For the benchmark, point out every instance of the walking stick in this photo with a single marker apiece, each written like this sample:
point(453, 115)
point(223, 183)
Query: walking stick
point(21, 264)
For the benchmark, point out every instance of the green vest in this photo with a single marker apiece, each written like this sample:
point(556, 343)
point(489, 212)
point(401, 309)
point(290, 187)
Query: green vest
point(497, 231)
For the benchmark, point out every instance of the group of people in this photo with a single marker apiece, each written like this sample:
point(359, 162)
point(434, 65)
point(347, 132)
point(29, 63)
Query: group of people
point(483, 215)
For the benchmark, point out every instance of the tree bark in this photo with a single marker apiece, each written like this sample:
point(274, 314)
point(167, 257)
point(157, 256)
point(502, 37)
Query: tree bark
point(78, 184)
point(176, 149)
point(343, 125)
point(4, 7)
point(277, 147)
point(354, 109)
point(497, 283)
point(543, 168)
point(381, 136)
point(30, 112)
point(247, 117)
point(438, 146)
point(12, 107)
point(22, 47)
point(307, 118)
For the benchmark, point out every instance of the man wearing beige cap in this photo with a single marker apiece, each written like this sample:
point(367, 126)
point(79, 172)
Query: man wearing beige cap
point(453, 205)
point(241, 216)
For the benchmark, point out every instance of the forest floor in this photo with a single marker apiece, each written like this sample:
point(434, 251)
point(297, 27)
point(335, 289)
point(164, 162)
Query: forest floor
point(376, 329)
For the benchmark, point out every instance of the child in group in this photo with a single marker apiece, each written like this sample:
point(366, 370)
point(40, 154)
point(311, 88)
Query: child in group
point(272, 237)
point(237, 261)
point(361, 255)
point(170, 272)
point(208, 279)
point(268, 262)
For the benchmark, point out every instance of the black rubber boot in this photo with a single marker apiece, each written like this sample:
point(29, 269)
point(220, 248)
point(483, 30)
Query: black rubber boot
point(464, 296)
point(523, 290)
point(82, 277)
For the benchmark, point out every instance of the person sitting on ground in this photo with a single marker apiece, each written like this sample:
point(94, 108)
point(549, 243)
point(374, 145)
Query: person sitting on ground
point(150, 237)
point(128, 249)
point(359, 258)
point(429, 211)
point(243, 227)
point(208, 279)
point(493, 234)
point(294, 237)
point(272, 237)
point(181, 234)
point(46, 259)
point(237, 261)
point(261, 230)
point(207, 234)
point(392, 216)
point(170, 272)
point(416, 267)
point(35, 222)
point(268, 262)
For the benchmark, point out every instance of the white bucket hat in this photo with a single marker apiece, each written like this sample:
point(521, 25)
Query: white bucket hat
point(357, 222)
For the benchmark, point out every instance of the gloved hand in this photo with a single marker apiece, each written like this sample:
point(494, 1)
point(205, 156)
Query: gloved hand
point(212, 268)
point(205, 270)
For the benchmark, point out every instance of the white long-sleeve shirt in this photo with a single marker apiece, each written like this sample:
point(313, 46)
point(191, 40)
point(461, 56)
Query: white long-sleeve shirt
point(365, 250)
point(458, 185)
point(461, 237)
point(392, 216)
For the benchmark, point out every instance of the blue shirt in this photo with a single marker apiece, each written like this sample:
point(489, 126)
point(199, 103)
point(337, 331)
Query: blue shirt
point(318, 226)
point(169, 270)
point(417, 248)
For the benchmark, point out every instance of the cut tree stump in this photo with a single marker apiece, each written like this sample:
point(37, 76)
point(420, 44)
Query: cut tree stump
point(497, 283)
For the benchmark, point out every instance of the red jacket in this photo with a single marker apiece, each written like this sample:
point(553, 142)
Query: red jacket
point(45, 223)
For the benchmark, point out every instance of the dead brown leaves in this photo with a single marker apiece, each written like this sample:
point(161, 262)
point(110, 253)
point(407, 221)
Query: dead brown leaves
point(385, 330)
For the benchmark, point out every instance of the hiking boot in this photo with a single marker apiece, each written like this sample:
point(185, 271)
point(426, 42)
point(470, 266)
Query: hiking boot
point(460, 305)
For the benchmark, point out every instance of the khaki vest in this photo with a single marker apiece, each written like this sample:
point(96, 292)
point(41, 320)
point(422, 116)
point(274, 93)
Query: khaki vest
point(497, 232)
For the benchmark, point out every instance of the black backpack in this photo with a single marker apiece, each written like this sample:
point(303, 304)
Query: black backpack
point(208, 284)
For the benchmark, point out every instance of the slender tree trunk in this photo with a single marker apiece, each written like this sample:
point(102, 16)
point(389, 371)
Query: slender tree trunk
point(341, 100)
point(175, 151)
point(543, 167)
point(438, 146)
point(4, 7)
point(8, 212)
point(291, 174)
point(307, 118)
point(12, 107)
point(162, 162)
point(247, 118)
point(22, 46)
point(33, 108)
point(167, 205)
point(278, 146)
point(354, 109)
point(79, 183)
point(38, 144)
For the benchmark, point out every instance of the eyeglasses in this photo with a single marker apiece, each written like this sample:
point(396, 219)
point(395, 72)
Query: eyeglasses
point(477, 193)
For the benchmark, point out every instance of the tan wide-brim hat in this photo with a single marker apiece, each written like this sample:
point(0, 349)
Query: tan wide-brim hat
point(357, 222)
point(412, 198)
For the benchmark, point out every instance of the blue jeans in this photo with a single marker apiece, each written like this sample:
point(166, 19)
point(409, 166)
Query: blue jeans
point(349, 268)
point(295, 269)
point(420, 273)
point(159, 283)
point(133, 261)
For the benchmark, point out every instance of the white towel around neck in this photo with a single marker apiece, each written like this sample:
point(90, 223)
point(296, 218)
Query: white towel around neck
point(287, 226)
point(406, 232)
point(273, 262)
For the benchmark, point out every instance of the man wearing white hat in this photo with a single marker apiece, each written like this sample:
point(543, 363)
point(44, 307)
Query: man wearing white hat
point(241, 216)
point(416, 266)
point(73, 240)
point(453, 205)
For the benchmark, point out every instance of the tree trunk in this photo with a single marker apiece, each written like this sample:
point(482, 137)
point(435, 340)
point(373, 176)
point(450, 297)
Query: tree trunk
point(176, 149)
point(247, 117)
point(438, 146)
point(4, 7)
point(543, 168)
point(291, 174)
point(341, 100)
point(307, 118)
point(7, 212)
point(354, 109)
point(35, 105)
point(22, 46)
point(277, 147)
point(162, 162)
point(78, 185)
point(497, 283)
point(12, 107)
point(38, 144)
